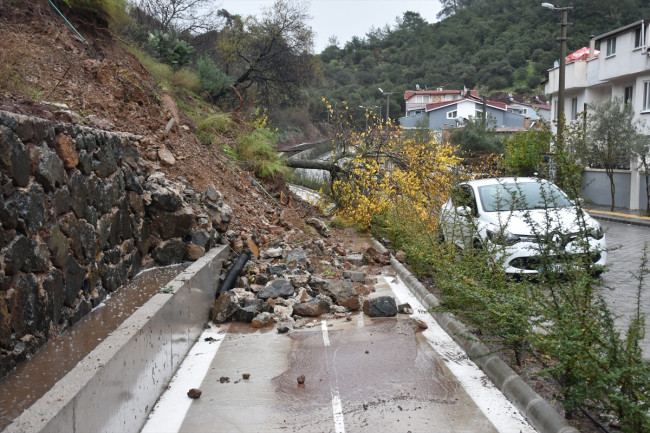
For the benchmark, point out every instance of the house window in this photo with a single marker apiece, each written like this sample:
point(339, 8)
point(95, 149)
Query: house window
point(628, 94)
point(422, 99)
point(452, 114)
point(646, 96)
point(639, 38)
point(611, 46)
point(574, 108)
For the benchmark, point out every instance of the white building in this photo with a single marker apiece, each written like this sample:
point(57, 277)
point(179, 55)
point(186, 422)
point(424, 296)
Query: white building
point(621, 69)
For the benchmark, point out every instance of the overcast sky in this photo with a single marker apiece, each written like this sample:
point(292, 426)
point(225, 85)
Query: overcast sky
point(345, 18)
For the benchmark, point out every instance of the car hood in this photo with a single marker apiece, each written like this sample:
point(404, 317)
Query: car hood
point(529, 222)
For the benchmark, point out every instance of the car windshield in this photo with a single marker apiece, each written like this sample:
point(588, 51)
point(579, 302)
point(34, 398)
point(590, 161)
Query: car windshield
point(521, 196)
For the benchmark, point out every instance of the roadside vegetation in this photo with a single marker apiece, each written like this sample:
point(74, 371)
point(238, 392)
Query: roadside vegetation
point(395, 185)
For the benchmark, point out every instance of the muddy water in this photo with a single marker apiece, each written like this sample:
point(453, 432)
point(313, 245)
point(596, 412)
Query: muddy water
point(33, 378)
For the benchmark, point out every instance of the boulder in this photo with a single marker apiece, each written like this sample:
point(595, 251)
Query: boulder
point(262, 320)
point(312, 308)
point(343, 293)
point(382, 306)
point(224, 307)
point(277, 289)
point(320, 227)
point(297, 258)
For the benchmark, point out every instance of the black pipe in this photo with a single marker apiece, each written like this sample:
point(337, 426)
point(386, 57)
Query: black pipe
point(233, 273)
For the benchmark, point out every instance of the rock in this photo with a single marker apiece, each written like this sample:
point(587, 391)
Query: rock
point(170, 252)
point(277, 289)
point(400, 256)
point(311, 308)
point(382, 306)
point(272, 253)
point(195, 252)
point(246, 376)
point(355, 259)
point(421, 324)
point(320, 227)
point(299, 280)
point(14, 158)
point(224, 307)
point(405, 309)
point(262, 320)
point(246, 314)
point(194, 393)
point(281, 330)
point(297, 258)
point(277, 270)
point(355, 276)
point(301, 379)
point(317, 283)
point(282, 313)
point(166, 157)
point(343, 293)
point(64, 147)
point(164, 198)
point(375, 256)
point(224, 379)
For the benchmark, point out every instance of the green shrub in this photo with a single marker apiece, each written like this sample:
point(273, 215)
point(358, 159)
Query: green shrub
point(211, 77)
point(208, 129)
point(168, 48)
point(257, 150)
point(187, 79)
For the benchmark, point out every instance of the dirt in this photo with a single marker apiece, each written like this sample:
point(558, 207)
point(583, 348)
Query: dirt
point(48, 71)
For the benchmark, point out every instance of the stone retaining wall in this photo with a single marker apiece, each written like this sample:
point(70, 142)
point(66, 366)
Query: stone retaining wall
point(80, 213)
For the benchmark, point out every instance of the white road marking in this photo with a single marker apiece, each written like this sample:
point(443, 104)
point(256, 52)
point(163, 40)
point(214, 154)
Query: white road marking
point(360, 323)
point(339, 425)
point(326, 336)
point(170, 410)
point(495, 406)
point(337, 407)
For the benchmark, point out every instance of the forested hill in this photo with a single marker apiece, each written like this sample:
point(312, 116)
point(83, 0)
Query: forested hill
point(493, 45)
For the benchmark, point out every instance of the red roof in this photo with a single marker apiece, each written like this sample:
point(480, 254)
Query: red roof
point(581, 54)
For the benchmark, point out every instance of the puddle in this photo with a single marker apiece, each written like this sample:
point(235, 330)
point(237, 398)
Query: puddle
point(33, 378)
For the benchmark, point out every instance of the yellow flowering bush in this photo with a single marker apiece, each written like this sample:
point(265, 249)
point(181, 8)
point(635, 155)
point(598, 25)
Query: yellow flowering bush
point(386, 168)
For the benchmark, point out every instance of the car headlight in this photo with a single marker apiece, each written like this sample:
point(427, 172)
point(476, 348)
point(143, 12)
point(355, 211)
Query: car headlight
point(502, 237)
point(597, 232)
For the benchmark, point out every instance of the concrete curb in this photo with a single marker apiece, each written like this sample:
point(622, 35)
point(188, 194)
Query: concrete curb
point(620, 218)
point(114, 387)
point(537, 411)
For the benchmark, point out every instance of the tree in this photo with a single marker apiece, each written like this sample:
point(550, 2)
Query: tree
point(474, 136)
point(611, 134)
point(272, 54)
point(183, 17)
point(450, 7)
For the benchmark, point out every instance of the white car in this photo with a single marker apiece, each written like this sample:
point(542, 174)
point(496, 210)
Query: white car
point(522, 220)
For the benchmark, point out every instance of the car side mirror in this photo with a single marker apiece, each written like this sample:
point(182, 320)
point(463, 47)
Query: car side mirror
point(463, 210)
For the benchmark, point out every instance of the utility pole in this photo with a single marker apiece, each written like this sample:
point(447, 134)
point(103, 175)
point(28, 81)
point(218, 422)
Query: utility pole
point(561, 78)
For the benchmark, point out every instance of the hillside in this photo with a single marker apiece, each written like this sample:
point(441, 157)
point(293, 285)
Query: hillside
point(489, 45)
point(50, 72)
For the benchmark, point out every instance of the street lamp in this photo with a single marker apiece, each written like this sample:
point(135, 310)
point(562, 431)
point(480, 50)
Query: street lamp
point(561, 79)
point(387, 95)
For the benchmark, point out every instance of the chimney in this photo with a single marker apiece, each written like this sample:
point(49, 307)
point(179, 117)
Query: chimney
point(592, 48)
point(526, 122)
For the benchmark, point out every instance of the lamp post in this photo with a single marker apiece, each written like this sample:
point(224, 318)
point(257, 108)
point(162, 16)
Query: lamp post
point(387, 95)
point(561, 79)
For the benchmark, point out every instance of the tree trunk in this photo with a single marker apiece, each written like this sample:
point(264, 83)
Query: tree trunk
point(612, 187)
point(316, 165)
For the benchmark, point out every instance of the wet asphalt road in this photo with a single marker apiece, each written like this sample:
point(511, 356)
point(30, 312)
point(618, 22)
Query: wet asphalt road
point(361, 375)
point(626, 243)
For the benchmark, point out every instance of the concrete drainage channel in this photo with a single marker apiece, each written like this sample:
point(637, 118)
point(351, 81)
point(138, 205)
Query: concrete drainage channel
point(117, 384)
point(114, 387)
